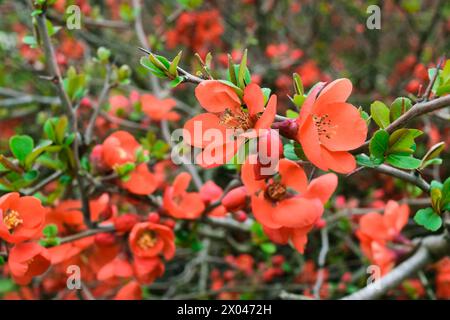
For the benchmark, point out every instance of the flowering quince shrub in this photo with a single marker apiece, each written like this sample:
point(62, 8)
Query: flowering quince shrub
point(293, 169)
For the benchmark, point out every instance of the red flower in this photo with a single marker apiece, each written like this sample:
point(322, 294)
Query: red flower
point(329, 127)
point(148, 269)
point(182, 204)
point(148, 240)
point(21, 218)
point(443, 279)
point(159, 109)
point(226, 115)
point(118, 268)
point(376, 230)
point(131, 291)
point(27, 260)
point(287, 206)
point(121, 148)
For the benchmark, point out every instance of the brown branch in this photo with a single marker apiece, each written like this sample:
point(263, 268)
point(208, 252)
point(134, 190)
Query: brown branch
point(101, 100)
point(430, 249)
point(87, 233)
point(409, 177)
point(55, 76)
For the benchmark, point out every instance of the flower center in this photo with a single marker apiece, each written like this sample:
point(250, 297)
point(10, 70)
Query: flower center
point(324, 127)
point(236, 120)
point(275, 191)
point(147, 240)
point(12, 219)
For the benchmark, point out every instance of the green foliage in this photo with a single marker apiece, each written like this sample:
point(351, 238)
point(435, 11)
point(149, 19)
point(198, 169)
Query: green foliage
point(380, 114)
point(21, 147)
point(429, 219)
point(399, 107)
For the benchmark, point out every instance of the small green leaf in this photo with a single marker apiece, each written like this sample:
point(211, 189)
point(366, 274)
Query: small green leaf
point(432, 154)
point(402, 161)
point(291, 114)
point(380, 114)
point(50, 231)
point(402, 140)
point(174, 64)
point(399, 107)
point(21, 146)
point(365, 161)
point(242, 70)
point(429, 219)
point(298, 84)
point(268, 247)
point(379, 144)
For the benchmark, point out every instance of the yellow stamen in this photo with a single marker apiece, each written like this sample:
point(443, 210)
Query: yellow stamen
point(146, 240)
point(12, 219)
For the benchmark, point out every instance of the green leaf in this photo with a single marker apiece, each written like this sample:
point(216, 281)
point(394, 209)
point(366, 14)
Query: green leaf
point(6, 285)
point(174, 64)
point(242, 70)
point(50, 231)
point(436, 196)
point(175, 82)
point(268, 247)
point(289, 152)
point(21, 146)
point(380, 114)
point(429, 219)
point(266, 93)
point(445, 193)
point(60, 129)
point(402, 161)
point(231, 70)
point(298, 84)
point(365, 161)
point(402, 140)
point(432, 154)
point(399, 107)
point(291, 114)
point(379, 144)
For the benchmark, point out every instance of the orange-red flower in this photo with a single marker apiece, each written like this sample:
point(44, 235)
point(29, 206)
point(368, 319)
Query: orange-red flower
point(21, 218)
point(229, 118)
point(117, 268)
point(286, 205)
point(27, 260)
point(328, 127)
point(376, 230)
point(121, 148)
point(443, 278)
point(131, 291)
point(148, 240)
point(182, 204)
point(159, 109)
point(148, 269)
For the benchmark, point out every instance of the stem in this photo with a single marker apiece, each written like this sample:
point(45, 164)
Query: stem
point(55, 76)
point(98, 107)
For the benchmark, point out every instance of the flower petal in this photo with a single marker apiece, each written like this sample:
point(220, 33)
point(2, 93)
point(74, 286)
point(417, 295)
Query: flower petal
point(214, 96)
point(254, 99)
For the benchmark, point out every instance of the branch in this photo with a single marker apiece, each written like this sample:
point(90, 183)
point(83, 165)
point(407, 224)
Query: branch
point(101, 100)
point(55, 76)
point(87, 233)
point(409, 177)
point(430, 249)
